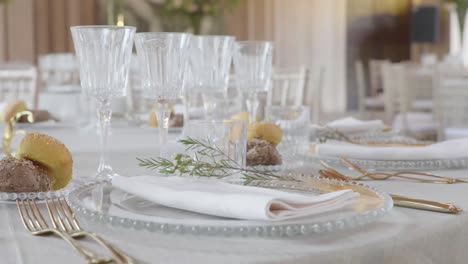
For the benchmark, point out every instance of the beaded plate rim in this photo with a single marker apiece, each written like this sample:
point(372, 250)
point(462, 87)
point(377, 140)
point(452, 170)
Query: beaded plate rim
point(266, 230)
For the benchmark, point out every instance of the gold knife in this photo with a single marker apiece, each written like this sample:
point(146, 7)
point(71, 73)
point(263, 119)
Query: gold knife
point(421, 204)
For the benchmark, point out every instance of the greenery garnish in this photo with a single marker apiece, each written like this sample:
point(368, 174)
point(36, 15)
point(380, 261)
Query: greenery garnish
point(333, 134)
point(208, 161)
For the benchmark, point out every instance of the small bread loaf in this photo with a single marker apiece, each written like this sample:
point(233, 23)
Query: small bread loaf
point(51, 154)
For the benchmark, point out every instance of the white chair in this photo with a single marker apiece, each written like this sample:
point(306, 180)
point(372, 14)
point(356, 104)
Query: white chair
point(287, 87)
point(365, 102)
point(60, 89)
point(451, 106)
point(59, 72)
point(419, 88)
point(375, 76)
point(390, 85)
point(317, 86)
point(418, 124)
point(19, 81)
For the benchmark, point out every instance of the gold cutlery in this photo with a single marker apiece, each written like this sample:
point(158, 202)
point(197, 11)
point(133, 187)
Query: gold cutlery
point(408, 202)
point(344, 137)
point(402, 201)
point(401, 174)
point(64, 219)
point(34, 222)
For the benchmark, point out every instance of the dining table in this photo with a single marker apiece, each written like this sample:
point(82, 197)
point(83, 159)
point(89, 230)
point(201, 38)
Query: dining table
point(402, 236)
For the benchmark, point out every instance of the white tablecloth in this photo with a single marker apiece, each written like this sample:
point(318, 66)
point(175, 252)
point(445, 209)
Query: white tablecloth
point(403, 236)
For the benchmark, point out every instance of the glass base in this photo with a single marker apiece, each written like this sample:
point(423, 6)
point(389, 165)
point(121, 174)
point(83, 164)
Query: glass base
point(104, 175)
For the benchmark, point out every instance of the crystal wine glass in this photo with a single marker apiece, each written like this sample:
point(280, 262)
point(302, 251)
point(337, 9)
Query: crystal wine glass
point(210, 61)
point(104, 56)
point(163, 62)
point(253, 67)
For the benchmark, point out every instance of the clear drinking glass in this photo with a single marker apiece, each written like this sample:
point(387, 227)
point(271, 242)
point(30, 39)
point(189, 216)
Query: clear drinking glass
point(163, 67)
point(104, 59)
point(253, 62)
point(295, 124)
point(210, 64)
point(229, 136)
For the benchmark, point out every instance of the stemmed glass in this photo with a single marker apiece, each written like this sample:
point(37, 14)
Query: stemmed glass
point(253, 62)
point(210, 64)
point(163, 62)
point(104, 56)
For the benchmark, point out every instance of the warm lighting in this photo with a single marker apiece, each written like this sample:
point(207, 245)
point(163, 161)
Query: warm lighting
point(120, 20)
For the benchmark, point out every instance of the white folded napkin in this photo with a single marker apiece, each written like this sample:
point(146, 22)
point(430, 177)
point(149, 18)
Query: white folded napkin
point(215, 197)
point(450, 149)
point(353, 125)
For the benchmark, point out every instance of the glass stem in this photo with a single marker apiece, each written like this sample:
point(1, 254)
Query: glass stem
point(186, 102)
point(252, 106)
point(104, 113)
point(163, 113)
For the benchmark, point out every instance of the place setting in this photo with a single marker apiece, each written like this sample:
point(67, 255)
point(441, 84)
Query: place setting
point(146, 143)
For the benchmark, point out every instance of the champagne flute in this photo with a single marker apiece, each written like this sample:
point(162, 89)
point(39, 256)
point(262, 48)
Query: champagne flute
point(104, 59)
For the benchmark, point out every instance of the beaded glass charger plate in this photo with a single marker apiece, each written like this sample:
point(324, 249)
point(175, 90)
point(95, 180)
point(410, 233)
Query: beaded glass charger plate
point(100, 202)
point(6, 197)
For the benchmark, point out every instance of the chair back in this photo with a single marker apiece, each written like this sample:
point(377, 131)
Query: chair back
point(59, 72)
point(361, 86)
point(317, 88)
point(18, 82)
point(375, 76)
point(415, 87)
point(392, 82)
point(451, 102)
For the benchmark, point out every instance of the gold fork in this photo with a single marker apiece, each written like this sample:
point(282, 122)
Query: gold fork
point(384, 176)
point(65, 220)
point(34, 222)
point(402, 174)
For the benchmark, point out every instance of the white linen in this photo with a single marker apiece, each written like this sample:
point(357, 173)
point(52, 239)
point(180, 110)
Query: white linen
point(455, 132)
point(451, 149)
point(353, 125)
point(215, 197)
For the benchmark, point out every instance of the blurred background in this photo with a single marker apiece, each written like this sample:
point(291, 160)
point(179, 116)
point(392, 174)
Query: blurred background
point(330, 35)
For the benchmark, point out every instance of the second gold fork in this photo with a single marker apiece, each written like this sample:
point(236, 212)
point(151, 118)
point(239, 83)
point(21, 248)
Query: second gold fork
point(64, 218)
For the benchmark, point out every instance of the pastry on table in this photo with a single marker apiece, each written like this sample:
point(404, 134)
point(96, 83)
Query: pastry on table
point(262, 139)
point(16, 106)
point(39, 116)
point(42, 163)
point(262, 152)
point(22, 175)
point(11, 109)
point(175, 120)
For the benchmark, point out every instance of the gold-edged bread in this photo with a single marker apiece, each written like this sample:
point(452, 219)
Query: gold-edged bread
point(11, 109)
point(265, 131)
point(51, 154)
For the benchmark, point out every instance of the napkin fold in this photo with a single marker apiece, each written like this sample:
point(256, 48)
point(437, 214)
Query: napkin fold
point(451, 149)
point(218, 198)
point(353, 125)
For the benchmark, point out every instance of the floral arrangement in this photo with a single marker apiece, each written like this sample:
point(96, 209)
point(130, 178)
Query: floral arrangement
point(178, 15)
